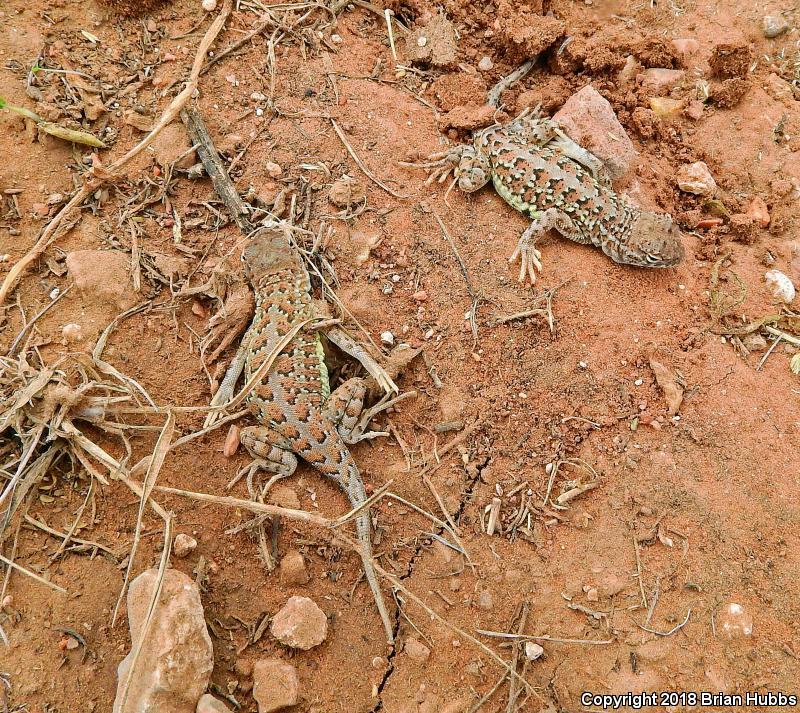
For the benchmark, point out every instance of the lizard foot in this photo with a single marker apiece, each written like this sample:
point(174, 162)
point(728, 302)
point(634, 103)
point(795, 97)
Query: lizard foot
point(530, 259)
point(439, 165)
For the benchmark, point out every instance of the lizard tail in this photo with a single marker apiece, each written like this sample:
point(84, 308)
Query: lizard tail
point(357, 495)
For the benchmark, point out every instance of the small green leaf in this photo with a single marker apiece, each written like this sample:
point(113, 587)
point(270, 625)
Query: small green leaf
point(2, 103)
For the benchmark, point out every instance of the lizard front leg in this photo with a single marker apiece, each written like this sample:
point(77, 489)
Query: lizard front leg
point(530, 258)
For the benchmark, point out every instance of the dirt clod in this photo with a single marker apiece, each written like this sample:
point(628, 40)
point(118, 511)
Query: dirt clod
point(434, 43)
point(730, 60)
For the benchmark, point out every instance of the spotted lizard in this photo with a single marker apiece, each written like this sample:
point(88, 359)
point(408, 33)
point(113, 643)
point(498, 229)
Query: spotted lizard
point(537, 169)
point(298, 414)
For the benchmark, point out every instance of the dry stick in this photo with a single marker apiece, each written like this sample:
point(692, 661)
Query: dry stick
point(639, 572)
point(513, 693)
point(156, 461)
point(61, 535)
point(145, 628)
point(33, 321)
point(361, 164)
point(303, 516)
point(488, 694)
point(544, 637)
point(99, 175)
point(674, 629)
point(198, 133)
point(473, 311)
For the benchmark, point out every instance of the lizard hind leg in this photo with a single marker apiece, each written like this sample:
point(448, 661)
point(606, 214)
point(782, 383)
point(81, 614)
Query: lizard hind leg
point(270, 452)
point(345, 408)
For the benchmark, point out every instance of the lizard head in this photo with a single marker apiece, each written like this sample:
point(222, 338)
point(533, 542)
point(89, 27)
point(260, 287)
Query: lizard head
point(655, 241)
point(473, 171)
point(269, 251)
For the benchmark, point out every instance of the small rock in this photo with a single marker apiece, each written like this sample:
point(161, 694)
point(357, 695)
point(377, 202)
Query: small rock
point(171, 146)
point(284, 496)
point(276, 685)
point(102, 275)
point(592, 595)
point(300, 623)
point(780, 286)
point(72, 332)
point(209, 5)
point(774, 25)
point(665, 107)
point(416, 650)
point(754, 342)
point(589, 120)
point(469, 117)
point(673, 392)
point(137, 120)
point(346, 191)
point(659, 80)
point(209, 704)
point(734, 621)
point(696, 178)
point(485, 600)
point(183, 545)
point(485, 64)
point(533, 651)
point(273, 169)
point(387, 338)
point(176, 659)
point(694, 110)
point(420, 296)
point(232, 441)
point(293, 568)
point(686, 47)
point(379, 663)
point(758, 211)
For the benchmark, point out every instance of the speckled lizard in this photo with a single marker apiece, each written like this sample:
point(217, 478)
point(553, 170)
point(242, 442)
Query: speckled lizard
point(297, 413)
point(540, 171)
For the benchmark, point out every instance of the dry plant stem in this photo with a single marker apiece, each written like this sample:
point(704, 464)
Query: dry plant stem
point(156, 462)
point(33, 321)
point(513, 693)
point(673, 630)
point(61, 535)
point(470, 289)
point(486, 696)
point(361, 164)
point(145, 629)
point(30, 574)
point(323, 522)
point(51, 231)
point(544, 637)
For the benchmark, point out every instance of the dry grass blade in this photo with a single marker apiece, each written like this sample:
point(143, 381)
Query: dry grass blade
point(156, 461)
point(361, 164)
point(155, 596)
point(30, 574)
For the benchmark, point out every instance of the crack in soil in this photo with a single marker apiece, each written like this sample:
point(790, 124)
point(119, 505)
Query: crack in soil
point(467, 495)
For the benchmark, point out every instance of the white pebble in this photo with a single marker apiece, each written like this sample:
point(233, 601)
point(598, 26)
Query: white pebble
point(485, 64)
point(734, 621)
point(183, 545)
point(336, 39)
point(387, 338)
point(209, 5)
point(696, 178)
point(71, 332)
point(533, 651)
point(422, 41)
point(780, 285)
point(258, 97)
point(273, 169)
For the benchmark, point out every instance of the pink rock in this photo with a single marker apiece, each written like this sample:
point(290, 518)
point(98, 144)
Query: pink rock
point(589, 120)
point(686, 47)
point(659, 80)
point(758, 211)
point(694, 110)
point(276, 685)
point(102, 275)
point(696, 178)
point(176, 659)
point(209, 704)
point(416, 650)
point(183, 545)
point(300, 623)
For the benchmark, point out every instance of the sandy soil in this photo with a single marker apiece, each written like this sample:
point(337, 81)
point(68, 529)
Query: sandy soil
point(708, 498)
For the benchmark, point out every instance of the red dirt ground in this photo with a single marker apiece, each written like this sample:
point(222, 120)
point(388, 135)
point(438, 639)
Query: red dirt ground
point(722, 481)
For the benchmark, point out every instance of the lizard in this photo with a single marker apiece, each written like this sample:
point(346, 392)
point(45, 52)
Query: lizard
point(538, 170)
point(297, 412)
